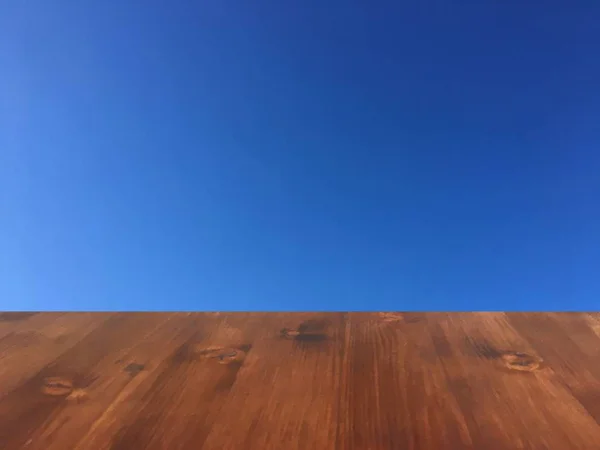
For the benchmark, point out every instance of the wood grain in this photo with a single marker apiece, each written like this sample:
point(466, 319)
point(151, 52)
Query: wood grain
point(294, 381)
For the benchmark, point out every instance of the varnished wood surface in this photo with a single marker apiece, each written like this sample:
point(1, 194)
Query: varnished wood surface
point(356, 381)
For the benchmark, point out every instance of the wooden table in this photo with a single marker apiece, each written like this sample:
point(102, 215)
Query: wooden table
point(363, 381)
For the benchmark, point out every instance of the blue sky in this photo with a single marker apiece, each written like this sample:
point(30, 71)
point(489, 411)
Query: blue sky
point(286, 155)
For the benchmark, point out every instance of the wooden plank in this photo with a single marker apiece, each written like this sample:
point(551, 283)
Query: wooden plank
point(36, 340)
point(357, 381)
point(510, 398)
point(568, 342)
point(25, 322)
point(393, 392)
point(33, 404)
point(117, 373)
point(11, 321)
point(174, 408)
point(286, 394)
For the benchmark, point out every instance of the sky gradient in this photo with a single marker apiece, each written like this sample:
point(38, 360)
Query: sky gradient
point(286, 155)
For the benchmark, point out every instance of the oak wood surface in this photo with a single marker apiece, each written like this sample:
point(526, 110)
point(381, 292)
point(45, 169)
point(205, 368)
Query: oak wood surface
point(356, 381)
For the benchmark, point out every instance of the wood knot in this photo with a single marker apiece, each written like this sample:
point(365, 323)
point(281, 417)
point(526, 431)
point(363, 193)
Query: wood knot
point(482, 348)
point(401, 317)
point(521, 361)
point(134, 368)
point(223, 355)
point(391, 316)
point(288, 333)
point(303, 336)
point(312, 330)
point(57, 386)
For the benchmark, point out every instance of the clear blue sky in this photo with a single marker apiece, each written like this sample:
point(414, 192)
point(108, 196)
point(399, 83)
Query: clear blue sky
point(299, 155)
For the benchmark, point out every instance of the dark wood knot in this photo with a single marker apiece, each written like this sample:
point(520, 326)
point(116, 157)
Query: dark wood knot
point(134, 368)
point(482, 348)
point(303, 336)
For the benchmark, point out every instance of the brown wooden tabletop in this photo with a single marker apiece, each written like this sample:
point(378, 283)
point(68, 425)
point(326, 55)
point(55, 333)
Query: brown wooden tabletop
point(128, 381)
